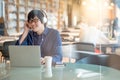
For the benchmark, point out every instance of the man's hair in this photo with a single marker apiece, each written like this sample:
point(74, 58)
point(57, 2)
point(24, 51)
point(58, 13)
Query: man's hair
point(37, 13)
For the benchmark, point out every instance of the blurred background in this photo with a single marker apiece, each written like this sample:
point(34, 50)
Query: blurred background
point(63, 15)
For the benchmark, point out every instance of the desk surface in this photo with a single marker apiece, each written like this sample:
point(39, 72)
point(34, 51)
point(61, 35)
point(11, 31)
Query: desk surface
point(69, 72)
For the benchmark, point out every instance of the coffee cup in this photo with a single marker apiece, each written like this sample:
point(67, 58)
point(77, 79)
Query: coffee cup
point(48, 61)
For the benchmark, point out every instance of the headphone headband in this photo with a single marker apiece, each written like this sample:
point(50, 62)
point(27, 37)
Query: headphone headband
point(44, 20)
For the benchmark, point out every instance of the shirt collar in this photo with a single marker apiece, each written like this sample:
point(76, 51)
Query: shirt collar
point(45, 32)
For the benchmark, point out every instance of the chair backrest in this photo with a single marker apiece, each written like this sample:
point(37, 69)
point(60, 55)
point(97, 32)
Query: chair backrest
point(83, 49)
point(84, 46)
point(78, 50)
point(5, 51)
point(110, 60)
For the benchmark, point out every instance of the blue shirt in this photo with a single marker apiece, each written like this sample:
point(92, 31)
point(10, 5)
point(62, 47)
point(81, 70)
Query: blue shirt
point(50, 42)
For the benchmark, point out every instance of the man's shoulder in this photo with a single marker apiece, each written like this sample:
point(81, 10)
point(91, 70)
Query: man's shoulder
point(53, 30)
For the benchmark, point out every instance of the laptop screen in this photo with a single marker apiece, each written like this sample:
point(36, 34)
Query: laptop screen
point(24, 56)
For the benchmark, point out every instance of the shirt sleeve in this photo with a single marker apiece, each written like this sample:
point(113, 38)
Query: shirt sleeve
point(27, 41)
point(57, 48)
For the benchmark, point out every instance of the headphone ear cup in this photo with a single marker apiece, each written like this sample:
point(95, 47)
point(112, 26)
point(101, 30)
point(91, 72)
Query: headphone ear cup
point(44, 20)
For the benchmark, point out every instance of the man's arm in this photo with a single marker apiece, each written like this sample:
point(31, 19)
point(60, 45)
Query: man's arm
point(25, 33)
point(57, 49)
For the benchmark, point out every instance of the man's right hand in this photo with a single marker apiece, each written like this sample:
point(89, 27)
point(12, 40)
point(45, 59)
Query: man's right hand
point(26, 27)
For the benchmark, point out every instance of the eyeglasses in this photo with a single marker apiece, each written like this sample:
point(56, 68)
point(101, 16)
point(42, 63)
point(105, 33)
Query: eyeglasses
point(34, 20)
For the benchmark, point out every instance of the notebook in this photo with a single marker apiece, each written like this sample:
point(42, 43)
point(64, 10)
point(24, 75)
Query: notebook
point(24, 56)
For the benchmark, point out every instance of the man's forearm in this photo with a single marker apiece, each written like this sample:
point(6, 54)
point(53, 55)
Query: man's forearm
point(25, 33)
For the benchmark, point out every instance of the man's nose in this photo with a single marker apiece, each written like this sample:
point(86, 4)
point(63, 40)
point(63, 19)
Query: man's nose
point(32, 23)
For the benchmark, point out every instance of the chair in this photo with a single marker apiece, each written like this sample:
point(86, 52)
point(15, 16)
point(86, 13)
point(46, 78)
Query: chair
point(110, 60)
point(85, 46)
point(84, 49)
point(78, 50)
point(5, 51)
point(113, 61)
point(95, 59)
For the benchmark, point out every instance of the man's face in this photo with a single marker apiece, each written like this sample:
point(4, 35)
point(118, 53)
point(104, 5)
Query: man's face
point(36, 25)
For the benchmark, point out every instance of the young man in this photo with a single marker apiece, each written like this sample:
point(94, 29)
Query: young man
point(37, 33)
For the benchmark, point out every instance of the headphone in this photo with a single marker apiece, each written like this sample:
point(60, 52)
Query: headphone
point(44, 20)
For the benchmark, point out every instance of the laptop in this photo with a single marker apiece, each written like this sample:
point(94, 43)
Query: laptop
point(24, 56)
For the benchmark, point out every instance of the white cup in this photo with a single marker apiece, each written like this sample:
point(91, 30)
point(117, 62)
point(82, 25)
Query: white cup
point(48, 61)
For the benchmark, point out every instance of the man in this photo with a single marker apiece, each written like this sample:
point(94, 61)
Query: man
point(37, 33)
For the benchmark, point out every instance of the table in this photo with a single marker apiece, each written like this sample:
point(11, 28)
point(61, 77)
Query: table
point(109, 47)
point(104, 47)
point(71, 71)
